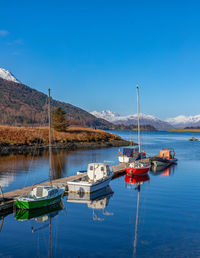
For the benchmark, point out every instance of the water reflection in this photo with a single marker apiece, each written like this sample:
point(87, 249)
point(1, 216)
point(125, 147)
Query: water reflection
point(136, 182)
point(39, 215)
point(96, 201)
point(162, 171)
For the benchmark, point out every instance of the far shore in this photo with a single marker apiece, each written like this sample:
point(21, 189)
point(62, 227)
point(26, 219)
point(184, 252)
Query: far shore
point(34, 140)
point(185, 131)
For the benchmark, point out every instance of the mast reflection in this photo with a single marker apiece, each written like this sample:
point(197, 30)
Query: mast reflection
point(135, 183)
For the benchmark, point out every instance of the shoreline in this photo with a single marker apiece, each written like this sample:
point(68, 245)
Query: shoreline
point(185, 131)
point(39, 149)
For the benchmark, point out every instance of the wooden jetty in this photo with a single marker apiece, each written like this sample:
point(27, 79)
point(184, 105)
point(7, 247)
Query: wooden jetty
point(8, 198)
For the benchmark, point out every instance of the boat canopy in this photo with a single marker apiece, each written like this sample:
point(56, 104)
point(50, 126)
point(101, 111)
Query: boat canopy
point(130, 151)
point(44, 191)
point(98, 171)
point(166, 153)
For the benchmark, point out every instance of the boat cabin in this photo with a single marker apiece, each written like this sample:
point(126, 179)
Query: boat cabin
point(167, 153)
point(129, 152)
point(44, 191)
point(98, 171)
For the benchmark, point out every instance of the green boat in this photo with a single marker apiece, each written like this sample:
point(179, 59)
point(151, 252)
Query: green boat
point(40, 196)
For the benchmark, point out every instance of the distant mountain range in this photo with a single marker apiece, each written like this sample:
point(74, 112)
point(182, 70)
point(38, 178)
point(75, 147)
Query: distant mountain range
point(184, 121)
point(132, 119)
point(168, 124)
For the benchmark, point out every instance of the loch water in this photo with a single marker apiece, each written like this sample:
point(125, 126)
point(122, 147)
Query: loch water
point(161, 220)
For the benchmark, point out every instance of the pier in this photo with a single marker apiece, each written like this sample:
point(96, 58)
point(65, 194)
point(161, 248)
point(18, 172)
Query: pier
point(8, 198)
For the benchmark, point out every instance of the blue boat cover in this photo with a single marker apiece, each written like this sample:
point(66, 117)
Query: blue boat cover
point(128, 152)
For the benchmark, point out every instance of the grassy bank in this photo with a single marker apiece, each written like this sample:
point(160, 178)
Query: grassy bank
point(23, 140)
point(186, 131)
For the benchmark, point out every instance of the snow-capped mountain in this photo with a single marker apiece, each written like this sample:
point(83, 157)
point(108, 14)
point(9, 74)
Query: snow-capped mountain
point(184, 121)
point(6, 75)
point(132, 119)
point(106, 114)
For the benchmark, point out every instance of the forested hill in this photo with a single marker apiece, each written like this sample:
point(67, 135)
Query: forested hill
point(22, 105)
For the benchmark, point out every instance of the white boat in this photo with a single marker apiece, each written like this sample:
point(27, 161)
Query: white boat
point(97, 177)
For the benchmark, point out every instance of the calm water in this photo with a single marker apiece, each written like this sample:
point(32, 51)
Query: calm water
point(167, 224)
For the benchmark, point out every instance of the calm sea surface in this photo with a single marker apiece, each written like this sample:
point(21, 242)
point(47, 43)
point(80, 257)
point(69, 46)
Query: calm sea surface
point(160, 220)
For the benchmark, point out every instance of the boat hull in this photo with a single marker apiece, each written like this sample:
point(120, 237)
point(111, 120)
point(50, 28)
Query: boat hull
point(136, 171)
point(27, 205)
point(164, 164)
point(76, 187)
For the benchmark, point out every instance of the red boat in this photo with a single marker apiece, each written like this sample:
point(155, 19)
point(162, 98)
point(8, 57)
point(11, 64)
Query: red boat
point(137, 168)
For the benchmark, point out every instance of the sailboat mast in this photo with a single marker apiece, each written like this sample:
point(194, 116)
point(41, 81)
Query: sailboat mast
point(50, 147)
point(138, 111)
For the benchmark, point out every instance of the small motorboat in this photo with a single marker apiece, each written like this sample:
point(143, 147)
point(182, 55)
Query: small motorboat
point(137, 168)
point(41, 196)
point(193, 139)
point(165, 159)
point(97, 177)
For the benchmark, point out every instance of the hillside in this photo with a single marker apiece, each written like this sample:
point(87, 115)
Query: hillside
point(22, 105)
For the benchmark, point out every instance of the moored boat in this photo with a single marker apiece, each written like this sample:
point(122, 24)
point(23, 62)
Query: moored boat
point(165, 159)
point(137, 168)
point(97, 177)
point(39, 197)
point(193, 139)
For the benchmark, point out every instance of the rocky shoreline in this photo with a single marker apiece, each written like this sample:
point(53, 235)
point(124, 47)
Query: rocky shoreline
point(24, 149)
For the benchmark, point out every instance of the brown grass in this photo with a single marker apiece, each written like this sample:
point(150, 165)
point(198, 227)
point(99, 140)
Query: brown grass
point(33, 135)
point(186, 130)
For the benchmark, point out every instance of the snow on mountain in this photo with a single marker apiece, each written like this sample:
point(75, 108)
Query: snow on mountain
point(6, 75)
point(184, 121)
point(132, 119)
point(106, 114)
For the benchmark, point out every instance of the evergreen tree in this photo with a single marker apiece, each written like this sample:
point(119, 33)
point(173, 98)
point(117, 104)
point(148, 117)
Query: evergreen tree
point(59, 122)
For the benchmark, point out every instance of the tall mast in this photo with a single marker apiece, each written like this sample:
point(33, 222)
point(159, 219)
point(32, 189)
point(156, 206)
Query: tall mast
point(138, 111)
point(50, 147)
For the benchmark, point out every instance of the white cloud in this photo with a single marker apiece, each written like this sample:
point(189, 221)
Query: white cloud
point(16, 42)
point(4, 33)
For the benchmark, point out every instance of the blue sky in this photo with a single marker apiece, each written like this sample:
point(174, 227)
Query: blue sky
point(92, 54)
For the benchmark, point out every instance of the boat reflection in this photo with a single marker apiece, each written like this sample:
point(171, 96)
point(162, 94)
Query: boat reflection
point(39, 215)
point(162, 171)
point(136, 182)
point(96, 201)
